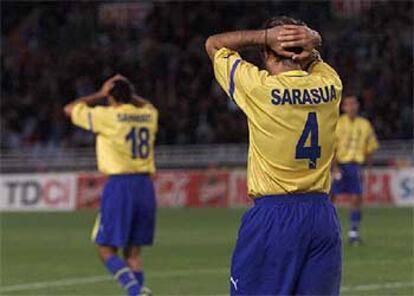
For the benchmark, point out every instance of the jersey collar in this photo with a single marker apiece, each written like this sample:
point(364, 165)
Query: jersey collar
point(295, 73)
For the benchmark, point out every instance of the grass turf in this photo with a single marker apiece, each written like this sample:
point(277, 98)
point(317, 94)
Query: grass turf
point(191, 255)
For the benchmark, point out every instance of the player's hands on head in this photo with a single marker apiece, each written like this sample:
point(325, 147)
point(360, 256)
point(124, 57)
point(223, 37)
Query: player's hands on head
point(272, 41)
point(109, 83)
point(299, 36)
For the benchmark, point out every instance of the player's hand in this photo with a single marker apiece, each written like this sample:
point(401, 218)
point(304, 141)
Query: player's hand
point(337, 173)
point(299, 36)
point(273, 35)
point(109, 83)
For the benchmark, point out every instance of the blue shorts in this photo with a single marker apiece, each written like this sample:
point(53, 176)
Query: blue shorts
point(288, 245)
point(351, 181)
point(127, 214)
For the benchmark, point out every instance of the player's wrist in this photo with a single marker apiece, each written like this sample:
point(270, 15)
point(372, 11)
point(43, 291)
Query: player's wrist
point(313, 58)
point(100, 94)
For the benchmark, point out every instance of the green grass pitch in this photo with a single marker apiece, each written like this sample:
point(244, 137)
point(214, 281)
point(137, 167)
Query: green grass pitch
point(51, 254)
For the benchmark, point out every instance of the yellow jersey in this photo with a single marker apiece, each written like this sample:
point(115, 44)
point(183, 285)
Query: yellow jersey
point(355, 139)
point(292, 119)
point(125, 136)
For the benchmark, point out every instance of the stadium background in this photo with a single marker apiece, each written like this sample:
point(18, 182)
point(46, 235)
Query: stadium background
point(53, 52)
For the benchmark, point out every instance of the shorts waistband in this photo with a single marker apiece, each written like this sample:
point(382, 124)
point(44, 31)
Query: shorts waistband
point(350, 163)
point(290, 198)
point(131, 175)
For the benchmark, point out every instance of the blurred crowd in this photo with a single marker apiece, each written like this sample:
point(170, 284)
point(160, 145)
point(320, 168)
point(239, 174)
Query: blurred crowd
point(53, 52)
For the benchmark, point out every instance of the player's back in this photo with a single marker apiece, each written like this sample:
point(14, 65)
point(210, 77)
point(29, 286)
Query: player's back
point(292, 119)
point(125, 136)
point(355, 139)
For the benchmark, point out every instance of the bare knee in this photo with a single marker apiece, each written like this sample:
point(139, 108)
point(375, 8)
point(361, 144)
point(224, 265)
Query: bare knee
point(132, 256)
point(106, 252)
point(356, 202)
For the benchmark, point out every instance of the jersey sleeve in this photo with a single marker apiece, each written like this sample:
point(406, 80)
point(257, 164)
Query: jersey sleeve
point(89, 118)
point(236, 76)
point(372, 142)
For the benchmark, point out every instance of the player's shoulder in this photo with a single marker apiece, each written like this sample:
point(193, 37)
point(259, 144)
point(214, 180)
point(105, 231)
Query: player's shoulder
point(364, 122)
point(140, 102)
point(343, 118)
point(104, 110)
point(151, 108)
point(325, 70)
point(99, 109)
point(226, 53)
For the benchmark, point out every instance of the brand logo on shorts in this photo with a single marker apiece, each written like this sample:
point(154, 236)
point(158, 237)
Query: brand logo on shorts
point(234, 282)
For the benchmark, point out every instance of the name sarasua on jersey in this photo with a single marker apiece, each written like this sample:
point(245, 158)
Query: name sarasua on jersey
point(303, 96)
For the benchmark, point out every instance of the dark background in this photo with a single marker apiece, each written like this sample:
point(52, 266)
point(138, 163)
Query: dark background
point(53, 52)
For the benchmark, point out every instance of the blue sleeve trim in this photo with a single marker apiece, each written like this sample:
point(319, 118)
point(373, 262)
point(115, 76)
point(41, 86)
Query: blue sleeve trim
point(90, 121)
point(232, 72)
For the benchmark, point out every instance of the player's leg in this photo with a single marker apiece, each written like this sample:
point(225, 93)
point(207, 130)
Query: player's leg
point(355, 217)
point(355, 198)
point(132, 256)
point(110, 232)
point(321, 273)
point(143, 224)
point(338, 184)
point(106, 252)
point(271, 247)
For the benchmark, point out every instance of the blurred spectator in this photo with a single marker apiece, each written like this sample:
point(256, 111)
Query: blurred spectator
point(53, 52)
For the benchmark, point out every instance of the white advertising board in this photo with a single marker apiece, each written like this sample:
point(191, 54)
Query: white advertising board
point(34, 192)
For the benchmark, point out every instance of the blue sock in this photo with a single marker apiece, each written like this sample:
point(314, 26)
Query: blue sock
point(123, 274)
point(354, 220)
point(139, 275)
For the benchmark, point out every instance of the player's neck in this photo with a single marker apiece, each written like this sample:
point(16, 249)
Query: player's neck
point(352, 117)
point(277, 68)
point(115, 104)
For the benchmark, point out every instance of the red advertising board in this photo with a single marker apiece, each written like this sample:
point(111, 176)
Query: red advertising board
point(216, 188)
point(178, 188)
point(89, 190)
point(377, 188)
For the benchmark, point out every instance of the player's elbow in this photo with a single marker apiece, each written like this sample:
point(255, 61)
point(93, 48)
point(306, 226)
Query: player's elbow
point(211, 46)
point(68, 110)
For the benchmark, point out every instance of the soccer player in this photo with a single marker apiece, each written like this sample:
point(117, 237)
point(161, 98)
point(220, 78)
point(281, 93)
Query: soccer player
point(289, 242)
point(125, 131)
point(355, 146)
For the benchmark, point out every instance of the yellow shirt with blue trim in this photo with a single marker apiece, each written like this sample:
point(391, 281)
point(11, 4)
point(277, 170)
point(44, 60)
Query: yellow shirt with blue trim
point(125, 136)
point(292, 119)
point(356, 139)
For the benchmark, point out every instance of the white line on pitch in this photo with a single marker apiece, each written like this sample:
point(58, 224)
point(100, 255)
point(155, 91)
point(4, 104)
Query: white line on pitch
point(373, 287)
point(102, 278)
point(178, 273)
point(370, 287)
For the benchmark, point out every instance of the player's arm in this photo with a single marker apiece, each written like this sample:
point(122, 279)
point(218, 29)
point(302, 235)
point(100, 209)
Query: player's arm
point(310, 59)
point(83, 113)
point(372, 145)
point(89, 100)
point(94, 98)
point(238, 40)
point(236, 76)
point(140, 101)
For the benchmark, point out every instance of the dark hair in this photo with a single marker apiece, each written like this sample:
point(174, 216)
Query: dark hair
point(122, 91)
point(280, 21)
point(350, 95)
